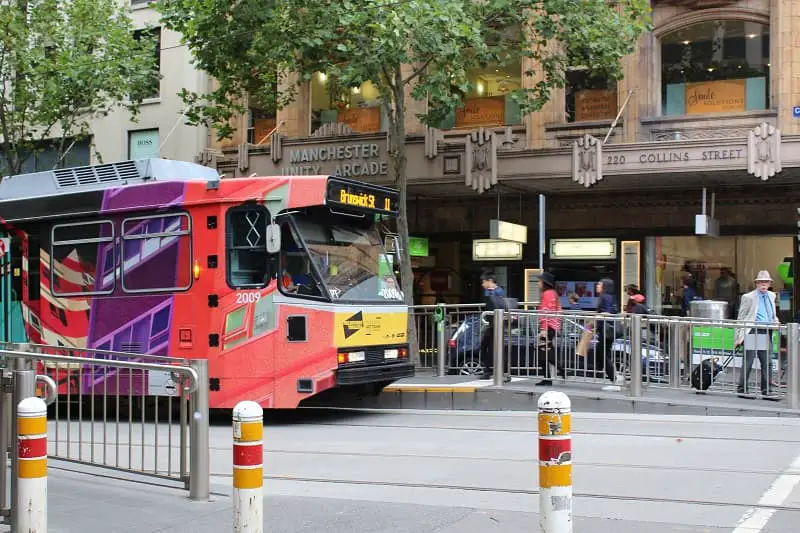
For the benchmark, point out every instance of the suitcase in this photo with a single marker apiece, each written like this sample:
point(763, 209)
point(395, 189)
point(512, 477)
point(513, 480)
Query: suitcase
point(706, 372)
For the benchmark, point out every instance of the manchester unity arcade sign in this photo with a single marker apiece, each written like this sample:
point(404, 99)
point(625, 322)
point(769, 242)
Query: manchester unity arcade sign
point(351, 160)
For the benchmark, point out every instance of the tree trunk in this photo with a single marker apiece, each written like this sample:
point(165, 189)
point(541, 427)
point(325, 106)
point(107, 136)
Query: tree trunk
point(397, 152)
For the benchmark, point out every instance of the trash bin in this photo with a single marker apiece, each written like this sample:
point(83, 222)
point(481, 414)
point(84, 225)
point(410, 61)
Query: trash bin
point(714, 309)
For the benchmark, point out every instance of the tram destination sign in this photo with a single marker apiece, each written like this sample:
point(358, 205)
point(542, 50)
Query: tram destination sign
point(362, 196)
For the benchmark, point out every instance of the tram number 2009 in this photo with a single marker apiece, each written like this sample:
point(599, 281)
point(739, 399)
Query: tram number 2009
point(247, 297)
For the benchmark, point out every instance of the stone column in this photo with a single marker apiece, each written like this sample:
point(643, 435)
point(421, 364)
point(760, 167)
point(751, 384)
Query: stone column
point(535, 123)
point(413, 107)
point(785, 62)
point(296, 117)
point(635, 78)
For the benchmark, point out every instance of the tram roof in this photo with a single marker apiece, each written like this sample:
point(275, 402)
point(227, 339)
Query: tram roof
point(69, 181)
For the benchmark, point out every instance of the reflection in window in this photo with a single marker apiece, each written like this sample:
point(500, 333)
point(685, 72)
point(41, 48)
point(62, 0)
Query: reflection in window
point(715, 67)
point(358, 107)
point(590, 95)
point(248, 261)
point(74, 254)
point(156, 253)
point(488, 101)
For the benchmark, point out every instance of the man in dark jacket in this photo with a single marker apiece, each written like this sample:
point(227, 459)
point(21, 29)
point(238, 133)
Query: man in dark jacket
point(606, 331)
point(494, 296)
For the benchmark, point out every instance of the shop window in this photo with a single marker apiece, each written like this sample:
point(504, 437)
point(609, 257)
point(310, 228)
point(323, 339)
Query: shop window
point(489, 100)
point(357, 107)
point(589, 95)
point(248, 263)
point(156, 253)
point(74, 255)
point(722, 269)
point(715, 67)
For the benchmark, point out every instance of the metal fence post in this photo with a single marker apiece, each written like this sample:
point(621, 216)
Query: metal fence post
point(636, 355)
point(555, 463)
point(497, 345)
point(441, 336)
point(24, 387)
point(793, 364)
point(675, 355)
point(199, 459)
point(6, 423)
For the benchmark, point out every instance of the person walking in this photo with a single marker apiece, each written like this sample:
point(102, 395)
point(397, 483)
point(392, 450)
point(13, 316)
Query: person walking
point(549, 325)
point(757, 306)
point(494, 295)
point(606, 331)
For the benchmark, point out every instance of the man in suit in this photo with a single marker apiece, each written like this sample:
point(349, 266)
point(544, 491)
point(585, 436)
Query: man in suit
point(757, 306)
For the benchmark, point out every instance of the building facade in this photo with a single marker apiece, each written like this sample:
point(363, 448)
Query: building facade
point(160, 130)
point(699, 177)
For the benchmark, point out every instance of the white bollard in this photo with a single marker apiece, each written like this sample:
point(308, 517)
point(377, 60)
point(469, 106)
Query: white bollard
point(31, 498)
point(555, 463)
point(248, 468)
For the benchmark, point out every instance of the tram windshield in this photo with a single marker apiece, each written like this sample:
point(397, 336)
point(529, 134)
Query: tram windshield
point(348, 254)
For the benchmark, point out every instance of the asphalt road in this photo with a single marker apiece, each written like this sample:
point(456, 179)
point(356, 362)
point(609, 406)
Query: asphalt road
point(467, 472)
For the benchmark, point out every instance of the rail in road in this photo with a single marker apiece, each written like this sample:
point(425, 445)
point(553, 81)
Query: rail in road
point(445, 472)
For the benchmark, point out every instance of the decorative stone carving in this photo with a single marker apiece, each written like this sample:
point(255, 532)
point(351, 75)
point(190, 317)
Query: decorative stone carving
point(244, 156)
point(764, 151)
point(432, 138)
point(276, 146)
point(697, 4)
point(481, 160)
point(333, 129)
point(699, 133)
point(587, 158)
point(509, 139)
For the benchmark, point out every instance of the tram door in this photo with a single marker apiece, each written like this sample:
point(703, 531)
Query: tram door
point(12, 327)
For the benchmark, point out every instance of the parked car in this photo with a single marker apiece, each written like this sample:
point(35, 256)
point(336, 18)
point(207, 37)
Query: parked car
point(523, 358)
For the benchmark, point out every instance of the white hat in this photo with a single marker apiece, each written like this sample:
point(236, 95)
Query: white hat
point(763, 276)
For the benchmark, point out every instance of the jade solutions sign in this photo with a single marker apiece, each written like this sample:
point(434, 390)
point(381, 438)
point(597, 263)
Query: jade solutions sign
point(345, 160)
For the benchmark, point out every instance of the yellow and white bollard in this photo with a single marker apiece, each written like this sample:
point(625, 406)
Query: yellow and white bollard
point(555, 463)
point(31, 499)
point(248, 468)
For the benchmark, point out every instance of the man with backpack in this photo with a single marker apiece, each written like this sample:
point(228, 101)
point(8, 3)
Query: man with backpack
point(495, 299)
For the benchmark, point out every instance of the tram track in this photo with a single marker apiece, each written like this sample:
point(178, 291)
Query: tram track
point(525, 492)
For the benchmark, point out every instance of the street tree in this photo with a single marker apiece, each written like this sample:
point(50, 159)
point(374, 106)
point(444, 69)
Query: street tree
point(268, 48)
point(63, 63)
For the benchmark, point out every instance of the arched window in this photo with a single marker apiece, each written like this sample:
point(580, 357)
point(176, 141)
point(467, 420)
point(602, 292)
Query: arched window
point(719, 66)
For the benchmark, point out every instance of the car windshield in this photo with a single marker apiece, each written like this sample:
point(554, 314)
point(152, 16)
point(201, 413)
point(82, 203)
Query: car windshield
point(351, 259)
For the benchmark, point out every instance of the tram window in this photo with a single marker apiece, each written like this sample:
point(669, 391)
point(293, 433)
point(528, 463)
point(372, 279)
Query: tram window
point(74, 252)
point(156, 253)
point(246, 247)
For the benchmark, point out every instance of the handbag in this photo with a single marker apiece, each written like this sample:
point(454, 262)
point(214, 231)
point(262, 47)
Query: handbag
point(583, 345)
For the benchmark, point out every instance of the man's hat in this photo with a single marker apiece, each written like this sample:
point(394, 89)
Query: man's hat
point(763, 276)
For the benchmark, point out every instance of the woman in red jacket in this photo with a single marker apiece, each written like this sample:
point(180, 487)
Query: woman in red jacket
point(549, 325)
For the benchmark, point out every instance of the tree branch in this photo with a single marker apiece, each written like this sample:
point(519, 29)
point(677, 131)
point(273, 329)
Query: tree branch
point(418, 71)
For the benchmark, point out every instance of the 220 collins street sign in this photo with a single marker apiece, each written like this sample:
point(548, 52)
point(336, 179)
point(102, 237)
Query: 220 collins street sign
point(362, 197)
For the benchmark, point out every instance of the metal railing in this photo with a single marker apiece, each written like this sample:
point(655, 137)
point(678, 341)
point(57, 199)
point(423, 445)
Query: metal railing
point(632, 351)
point(128, 412)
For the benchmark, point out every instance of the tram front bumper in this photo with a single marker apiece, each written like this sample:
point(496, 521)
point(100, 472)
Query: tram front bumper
point(361, 375)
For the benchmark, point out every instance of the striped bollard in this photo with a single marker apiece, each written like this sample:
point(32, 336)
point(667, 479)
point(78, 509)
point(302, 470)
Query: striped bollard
point(32, 467)
point(555, 463)
point(248, 472)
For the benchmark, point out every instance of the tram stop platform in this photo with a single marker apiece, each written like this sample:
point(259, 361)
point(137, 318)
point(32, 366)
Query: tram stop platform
point(428, 391)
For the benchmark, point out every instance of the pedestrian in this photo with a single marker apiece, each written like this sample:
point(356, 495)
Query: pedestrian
point(757, 306)
point(606, 332)
point(495, 299)
point(549, 325)
point(690, 294)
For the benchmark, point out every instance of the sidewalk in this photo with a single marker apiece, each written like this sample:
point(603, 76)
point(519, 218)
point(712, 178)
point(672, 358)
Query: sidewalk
point(427, 391)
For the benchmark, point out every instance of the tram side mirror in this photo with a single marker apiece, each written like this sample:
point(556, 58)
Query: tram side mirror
point(273, 238)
